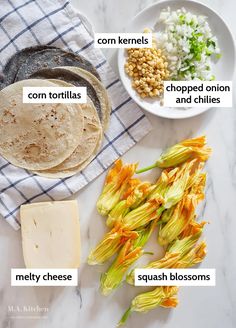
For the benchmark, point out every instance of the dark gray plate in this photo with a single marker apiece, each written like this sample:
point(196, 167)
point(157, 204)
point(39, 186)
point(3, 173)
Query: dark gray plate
point(50, 58)
point(30, 60)
point(73, 78)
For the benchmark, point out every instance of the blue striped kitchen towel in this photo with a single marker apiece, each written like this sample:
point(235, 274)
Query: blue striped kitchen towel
point(33, 22)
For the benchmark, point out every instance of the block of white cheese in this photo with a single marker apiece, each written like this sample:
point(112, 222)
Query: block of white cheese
point(51, 234)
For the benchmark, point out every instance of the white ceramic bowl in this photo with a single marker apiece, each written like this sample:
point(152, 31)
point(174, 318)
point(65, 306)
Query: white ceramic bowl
point(223, 69)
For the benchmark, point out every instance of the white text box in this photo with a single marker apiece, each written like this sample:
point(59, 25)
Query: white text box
point(175, 277)
point(44, 277)
point(123, 40)
point(198, 94)
point(48, 95)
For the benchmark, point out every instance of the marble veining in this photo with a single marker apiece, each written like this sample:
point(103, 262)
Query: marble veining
point(83, 306)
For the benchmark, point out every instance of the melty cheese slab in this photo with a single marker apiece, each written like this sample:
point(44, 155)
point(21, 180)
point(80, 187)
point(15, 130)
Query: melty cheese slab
point(51, 234)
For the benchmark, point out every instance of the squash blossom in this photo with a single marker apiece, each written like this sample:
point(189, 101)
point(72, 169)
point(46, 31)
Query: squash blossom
point(160, 296)
point(182, 152)
point(143, 214)
point(111, 279)
point(168, 214)
point(129, 253)
point(191, 252)
point(110, 244)
point(183, 213)
point(169, 180)
point(132, 198)
point(175, 219)
point(115, 185)
point(193, 257)
point(173, 184)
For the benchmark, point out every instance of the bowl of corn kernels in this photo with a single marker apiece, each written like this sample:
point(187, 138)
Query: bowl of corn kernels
point(187, 44)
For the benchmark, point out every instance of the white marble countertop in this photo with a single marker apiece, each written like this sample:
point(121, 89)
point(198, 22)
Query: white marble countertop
point(209, 307)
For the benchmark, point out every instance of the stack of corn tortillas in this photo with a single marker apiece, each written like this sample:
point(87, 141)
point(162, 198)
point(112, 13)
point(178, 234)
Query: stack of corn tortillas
point(52, 140)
